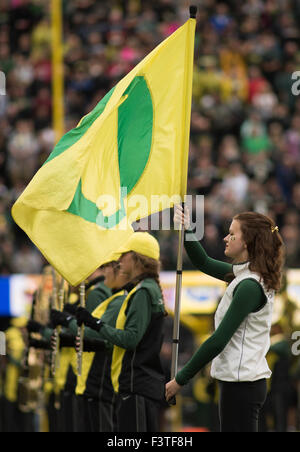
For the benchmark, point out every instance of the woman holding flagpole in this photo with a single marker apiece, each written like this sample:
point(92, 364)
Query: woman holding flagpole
point(243, 319)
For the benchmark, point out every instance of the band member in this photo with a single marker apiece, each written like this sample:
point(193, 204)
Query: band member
point(136, 370)
point(95, 383)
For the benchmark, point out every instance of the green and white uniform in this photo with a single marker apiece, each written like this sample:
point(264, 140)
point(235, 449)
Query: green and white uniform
point(239, 344)
point(243, 321)
point(244, 357)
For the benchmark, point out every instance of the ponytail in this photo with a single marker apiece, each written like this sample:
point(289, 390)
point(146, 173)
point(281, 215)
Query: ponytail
point(265, 247)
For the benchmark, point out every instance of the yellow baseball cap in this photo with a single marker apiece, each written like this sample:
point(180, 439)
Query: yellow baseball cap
point(142, 243)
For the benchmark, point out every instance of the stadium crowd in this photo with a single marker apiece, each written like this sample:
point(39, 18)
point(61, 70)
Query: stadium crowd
point(245, 128)
point(245, 132)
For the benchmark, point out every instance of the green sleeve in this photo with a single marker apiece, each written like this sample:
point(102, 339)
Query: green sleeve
point(73, 328)
point(137, 322)
point(248, 297)
point(88, 332)
point(96, 297)
point(202, 261)
point(47, 333)
point(93, 300)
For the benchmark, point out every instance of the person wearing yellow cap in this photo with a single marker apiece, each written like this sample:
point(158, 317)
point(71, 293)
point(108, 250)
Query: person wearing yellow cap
point(136, 371)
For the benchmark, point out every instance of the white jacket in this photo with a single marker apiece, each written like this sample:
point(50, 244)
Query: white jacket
point(244, 357)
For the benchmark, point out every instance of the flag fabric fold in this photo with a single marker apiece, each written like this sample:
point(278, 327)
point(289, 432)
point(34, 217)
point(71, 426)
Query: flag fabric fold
point(104, 174)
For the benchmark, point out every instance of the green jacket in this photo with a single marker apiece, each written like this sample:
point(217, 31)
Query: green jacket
point(137, 340)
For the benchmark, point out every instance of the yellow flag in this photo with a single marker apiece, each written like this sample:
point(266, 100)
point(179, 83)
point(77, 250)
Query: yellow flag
point(125, 160)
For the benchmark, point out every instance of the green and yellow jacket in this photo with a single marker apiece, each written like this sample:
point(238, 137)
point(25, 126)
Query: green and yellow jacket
point(137, 339)
point(95, 381)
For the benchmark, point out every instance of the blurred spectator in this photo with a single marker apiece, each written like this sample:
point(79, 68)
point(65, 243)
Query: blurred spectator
point(264, 100)
point(291, 237)
point(203, 175)
point(256, 81)
point(235, 183)
point(27, 260)
point(293, 139)
point(254, 134)
point(22, 151)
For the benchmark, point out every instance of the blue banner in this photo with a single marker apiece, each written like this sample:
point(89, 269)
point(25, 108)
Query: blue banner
point(5, 296)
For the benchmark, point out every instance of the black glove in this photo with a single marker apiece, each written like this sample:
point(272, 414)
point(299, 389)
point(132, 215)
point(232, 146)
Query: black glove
point(66, 340)
point(60, 318)
point(71, 308)
point(39, 344)
point(83, 316)
point(34, 327)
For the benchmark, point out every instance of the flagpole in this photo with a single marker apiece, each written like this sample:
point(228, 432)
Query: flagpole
point(176, 326)
point(57, 68)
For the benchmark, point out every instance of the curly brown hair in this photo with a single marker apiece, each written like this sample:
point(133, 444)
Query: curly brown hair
point(265, 247)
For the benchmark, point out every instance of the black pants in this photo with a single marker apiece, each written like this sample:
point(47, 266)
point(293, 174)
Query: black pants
point(240, 404)
point(65, 414)
point(93, 414)
point(136, 413)
point(81, 415)
point(108, 416)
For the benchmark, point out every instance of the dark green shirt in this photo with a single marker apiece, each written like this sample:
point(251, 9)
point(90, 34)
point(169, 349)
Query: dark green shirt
point(137, 322)
point(109, 318)
point(96, 295)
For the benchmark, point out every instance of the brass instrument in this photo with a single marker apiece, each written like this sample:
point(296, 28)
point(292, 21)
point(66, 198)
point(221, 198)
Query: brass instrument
point(30, 388)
